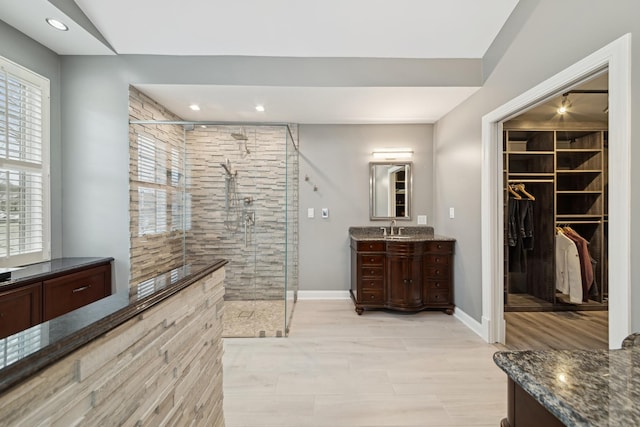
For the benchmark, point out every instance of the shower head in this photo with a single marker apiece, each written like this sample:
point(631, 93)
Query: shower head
point(239, 136)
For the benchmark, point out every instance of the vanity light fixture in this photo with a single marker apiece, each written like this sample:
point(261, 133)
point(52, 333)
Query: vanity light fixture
point(260, 108)
point(194, 107)
point(58, 25)
point(392, 153)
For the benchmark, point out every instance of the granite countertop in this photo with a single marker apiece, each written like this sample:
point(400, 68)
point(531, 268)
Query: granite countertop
point(580, 387)
point(33, 272)
point(39, 346)
point(409, 234)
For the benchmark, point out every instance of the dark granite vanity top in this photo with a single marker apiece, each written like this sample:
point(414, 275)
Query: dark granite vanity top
point(409, 234)
point(33, 349)
point(580, 388)
point(34, 272)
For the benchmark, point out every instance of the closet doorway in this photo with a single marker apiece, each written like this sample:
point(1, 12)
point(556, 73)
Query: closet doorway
point(555, 181)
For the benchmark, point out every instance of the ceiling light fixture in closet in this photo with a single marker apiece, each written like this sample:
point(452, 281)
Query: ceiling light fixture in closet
point(565, 105)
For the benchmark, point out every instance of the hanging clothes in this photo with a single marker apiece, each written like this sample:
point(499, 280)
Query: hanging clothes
point(586, 268)
point(568, 272)
point(519, 233)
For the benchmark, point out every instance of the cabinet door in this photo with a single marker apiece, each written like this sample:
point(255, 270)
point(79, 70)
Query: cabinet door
point(67, 293)
point(20, 309)
point(405, 281)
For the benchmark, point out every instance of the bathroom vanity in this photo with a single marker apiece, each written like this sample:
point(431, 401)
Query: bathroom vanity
point(39, 292)
point(408, 272)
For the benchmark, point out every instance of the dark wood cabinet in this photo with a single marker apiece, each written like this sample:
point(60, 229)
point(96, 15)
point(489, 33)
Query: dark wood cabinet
point(32, 300)
point(404, 279)
point(20, 309)
point(408, 276)
point(67, 293)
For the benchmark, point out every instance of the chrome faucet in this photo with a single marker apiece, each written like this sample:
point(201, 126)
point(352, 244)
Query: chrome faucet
point(393, 224)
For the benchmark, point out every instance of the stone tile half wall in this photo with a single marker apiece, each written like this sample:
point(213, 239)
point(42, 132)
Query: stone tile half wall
point(163, 367)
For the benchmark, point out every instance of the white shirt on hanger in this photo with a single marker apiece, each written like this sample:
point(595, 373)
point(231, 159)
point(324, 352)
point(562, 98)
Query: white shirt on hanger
point(568, 275)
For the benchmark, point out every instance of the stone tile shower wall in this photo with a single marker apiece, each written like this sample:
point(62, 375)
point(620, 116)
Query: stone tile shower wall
point(257, 257)
point(147, 249)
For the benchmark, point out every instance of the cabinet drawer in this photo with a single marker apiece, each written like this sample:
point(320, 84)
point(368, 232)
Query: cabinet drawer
point(437, 259)
point(372, 271)
point(438, 272)
point(372, 259)
point(371, 246)
point(67, 293)
point(372, 296)
point(438, 297)
point(372, 284)
point(438, 284)
point(20, 309)
point(445, 247)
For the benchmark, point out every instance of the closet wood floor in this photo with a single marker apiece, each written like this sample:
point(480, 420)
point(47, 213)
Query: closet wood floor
point(560, 330)
point(381, 369)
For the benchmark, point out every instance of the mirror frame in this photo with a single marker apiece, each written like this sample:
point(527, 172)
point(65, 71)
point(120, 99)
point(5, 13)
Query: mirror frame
point(408, 190)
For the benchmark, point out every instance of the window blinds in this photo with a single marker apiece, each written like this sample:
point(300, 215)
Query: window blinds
point(23, 165)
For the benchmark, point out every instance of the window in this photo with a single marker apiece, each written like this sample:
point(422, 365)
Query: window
point(24, 166)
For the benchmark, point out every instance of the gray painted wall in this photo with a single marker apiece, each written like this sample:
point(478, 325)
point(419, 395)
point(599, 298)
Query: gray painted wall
point(553, 36)
point(24, 51)
point(336, 159)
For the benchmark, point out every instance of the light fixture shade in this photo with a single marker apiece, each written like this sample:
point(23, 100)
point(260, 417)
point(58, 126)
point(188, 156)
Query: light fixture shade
point(58, 25)
point(392, 153)
point(260, 108)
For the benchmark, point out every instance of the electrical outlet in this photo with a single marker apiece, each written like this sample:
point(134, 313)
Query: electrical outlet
point(311, 213)
point(452, 213)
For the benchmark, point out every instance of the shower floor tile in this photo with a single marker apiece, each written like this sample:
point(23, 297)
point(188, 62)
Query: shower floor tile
point(244, 319)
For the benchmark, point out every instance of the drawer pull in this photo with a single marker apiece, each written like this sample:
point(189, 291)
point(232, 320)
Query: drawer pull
point(437, 271)
point(372, 259)
point(439, 246)
point(80, 289)
point(437, 259)
point(437, 284)
point(370, 246)
point(373, 272)
point(373, 297)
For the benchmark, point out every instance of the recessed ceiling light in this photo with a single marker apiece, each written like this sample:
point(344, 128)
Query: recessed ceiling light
point(260, 108)
point(194, 107)
point(57, 24)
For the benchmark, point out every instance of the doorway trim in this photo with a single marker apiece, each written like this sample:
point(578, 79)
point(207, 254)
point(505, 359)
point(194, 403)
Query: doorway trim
point(616, 57)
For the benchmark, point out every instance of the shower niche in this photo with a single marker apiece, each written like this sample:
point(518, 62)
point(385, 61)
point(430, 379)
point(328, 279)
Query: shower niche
point(239, 201)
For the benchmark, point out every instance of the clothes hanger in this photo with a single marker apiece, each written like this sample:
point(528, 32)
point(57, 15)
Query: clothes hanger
point(521, 189)
point(515, 195)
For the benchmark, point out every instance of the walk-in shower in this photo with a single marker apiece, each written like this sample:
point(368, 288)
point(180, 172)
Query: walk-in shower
point(237, 199)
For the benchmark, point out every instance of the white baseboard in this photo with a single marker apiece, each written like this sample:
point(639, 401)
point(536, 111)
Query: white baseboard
point(469, 322)
point(316, 295)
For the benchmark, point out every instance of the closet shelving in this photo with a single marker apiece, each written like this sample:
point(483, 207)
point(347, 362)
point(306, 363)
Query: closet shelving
point(566, 171)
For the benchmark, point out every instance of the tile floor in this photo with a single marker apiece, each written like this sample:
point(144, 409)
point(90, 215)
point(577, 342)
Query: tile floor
point(244, 319)
point(338, 369)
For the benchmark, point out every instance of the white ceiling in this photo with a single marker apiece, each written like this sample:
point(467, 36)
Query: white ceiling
point(301, 28)
point(427, 29)
point(336, 105)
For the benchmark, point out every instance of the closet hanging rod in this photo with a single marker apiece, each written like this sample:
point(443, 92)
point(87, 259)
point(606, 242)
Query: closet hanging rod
point(524, 181)
point(578, 222)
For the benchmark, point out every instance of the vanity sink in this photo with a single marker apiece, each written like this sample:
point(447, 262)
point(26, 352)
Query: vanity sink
point(397, 237)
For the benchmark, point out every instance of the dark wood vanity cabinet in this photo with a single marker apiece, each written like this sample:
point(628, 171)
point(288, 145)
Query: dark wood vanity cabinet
point(402, 275)
point(20, 309)
point(69, 292)
point(33, 300)
point(405, 276)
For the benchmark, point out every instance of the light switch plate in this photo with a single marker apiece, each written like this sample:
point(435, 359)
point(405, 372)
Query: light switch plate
point(422, 220)
point(311, 212)
point(325, 212)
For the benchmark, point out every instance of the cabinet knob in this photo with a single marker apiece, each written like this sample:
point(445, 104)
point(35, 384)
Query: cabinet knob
point(437, 296)
point(372, 259)
point(437, 259)
point(370, 246)
point(373, 297)
point(439, 246)
point(373, 271)
point(437, 284)
point(371, 284)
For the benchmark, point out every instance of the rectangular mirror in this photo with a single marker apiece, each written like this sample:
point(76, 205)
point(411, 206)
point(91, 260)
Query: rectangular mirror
point(390, 190)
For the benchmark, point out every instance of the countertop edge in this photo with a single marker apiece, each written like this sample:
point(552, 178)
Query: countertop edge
point(418, 238)
point(544, 397)
point(30, 365)
point(23, 281)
